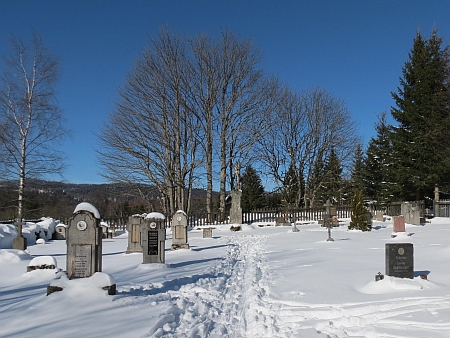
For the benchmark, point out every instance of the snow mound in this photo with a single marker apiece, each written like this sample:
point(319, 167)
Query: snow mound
point(12, 255)
point(43, 260)
point(394, 284)
point(85, 206)
point(155, 215)
point(97, 281)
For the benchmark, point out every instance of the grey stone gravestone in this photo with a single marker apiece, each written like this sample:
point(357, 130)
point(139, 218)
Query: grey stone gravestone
point(153, 234)
point(281, 221)
point(179, 231)
point(379, 216)
point(400, 260)
point(236, 210)
point(134, 233)
point(207, 232)
point(84, 242)
point(19, 242)
point(369, 218)
point(60, 231)
point(411, 212)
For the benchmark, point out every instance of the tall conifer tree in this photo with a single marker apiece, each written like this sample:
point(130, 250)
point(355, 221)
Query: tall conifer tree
point(421, 110)
point(252, 190)
point(378, 183)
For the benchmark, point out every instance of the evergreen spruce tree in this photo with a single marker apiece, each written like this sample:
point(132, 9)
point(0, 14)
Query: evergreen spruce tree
point(420, 150)
point(252, 190)
point(378, 175)
point(359, 213)
point(357, 175)
point(332, 183)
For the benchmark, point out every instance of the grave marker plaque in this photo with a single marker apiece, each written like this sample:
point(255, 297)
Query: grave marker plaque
point(152, 246)
point(400, 260)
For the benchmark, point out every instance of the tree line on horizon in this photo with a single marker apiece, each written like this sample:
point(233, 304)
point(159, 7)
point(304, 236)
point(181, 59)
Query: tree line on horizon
point(199, 113)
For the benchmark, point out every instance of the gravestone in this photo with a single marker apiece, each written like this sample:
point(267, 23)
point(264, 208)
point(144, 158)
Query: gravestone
point(379, 216)
point(134, 233)
point(207, 232)
point(84, 242)
point(294, 228)
point(399, 224)
point(153, 235)
point(179, 231)
point(281, 221)
point(400, 260)
point(19, 242)
point(236, 210)
point(60, 231)
point(369, 218)
point(411, 211)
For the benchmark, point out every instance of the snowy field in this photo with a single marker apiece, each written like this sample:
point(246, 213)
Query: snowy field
point(260, 282)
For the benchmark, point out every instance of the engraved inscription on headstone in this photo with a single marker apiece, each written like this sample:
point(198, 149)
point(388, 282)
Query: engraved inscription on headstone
point(400, 260)
point(153, 242)
point(135, 232)
point(179, 232)
point(82, 261)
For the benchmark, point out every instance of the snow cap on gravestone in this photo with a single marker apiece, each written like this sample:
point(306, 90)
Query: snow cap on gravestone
point(85, 206)
point(155, 215)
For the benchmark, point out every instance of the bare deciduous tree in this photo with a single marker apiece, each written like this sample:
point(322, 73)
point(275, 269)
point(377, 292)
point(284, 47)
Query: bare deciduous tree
point(152, 134)
point(308, 127)
point(30, 119)
point(233, 98)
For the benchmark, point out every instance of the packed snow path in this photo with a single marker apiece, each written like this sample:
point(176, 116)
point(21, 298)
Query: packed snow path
point(229, 303)
point(233, 300)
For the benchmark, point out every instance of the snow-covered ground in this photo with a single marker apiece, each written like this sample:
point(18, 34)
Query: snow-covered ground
point(259, 282)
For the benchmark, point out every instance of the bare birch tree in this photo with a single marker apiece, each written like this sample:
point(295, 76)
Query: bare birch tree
point(30, 119)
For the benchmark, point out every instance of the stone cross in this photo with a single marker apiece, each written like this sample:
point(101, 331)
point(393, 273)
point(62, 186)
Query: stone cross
point(327, 220)
point(236, 210)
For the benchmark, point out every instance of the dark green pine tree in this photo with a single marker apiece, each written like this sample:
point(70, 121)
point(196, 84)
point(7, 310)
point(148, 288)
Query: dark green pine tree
point(252, 190)
point(357, 174)
point(314, 184)
point(332, 184)
point(378, 182)
point(419, 142)
point(358, 219)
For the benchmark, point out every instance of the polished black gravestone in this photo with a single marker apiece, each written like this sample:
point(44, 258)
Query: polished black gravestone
point(400, 260)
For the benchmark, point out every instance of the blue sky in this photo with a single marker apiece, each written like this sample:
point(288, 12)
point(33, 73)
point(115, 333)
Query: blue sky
point(353, 49)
